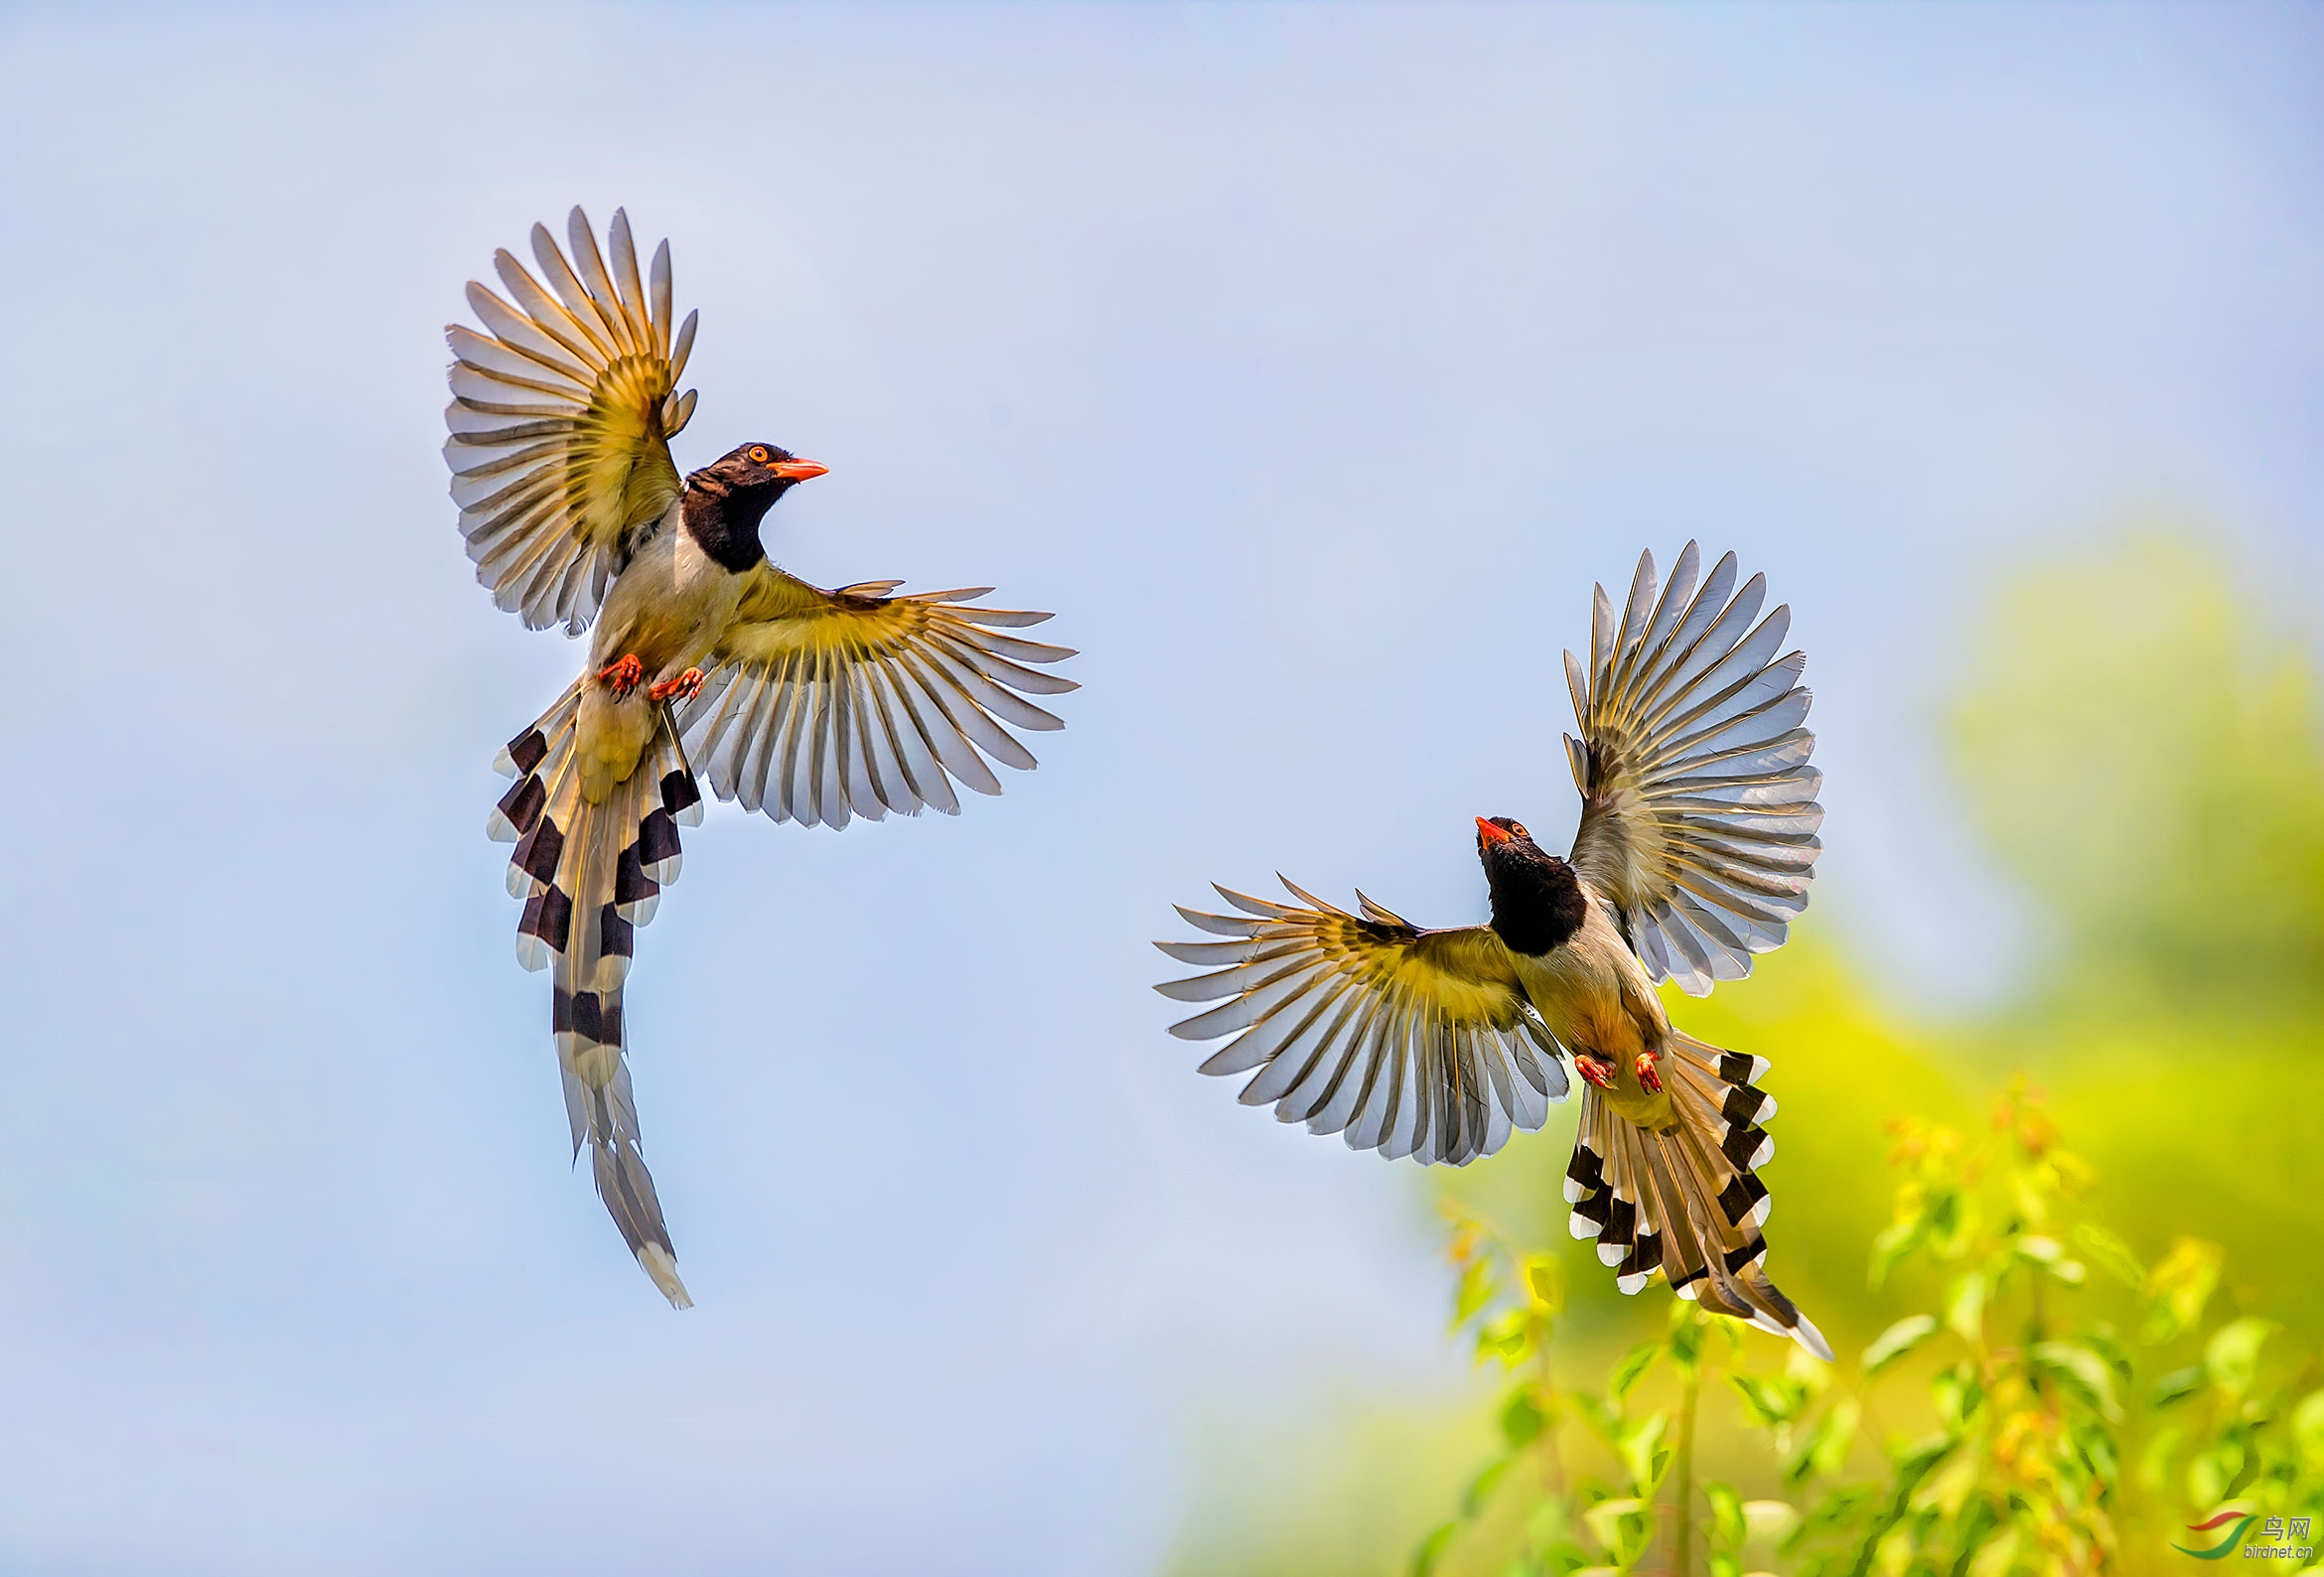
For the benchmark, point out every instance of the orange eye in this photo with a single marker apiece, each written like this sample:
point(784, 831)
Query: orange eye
point(759, 453)
point(1519, 828)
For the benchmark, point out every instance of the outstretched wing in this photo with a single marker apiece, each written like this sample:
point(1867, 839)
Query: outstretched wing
point(561, 418)
point(1699, 804)
point(825, 704)
point(1410, 1041)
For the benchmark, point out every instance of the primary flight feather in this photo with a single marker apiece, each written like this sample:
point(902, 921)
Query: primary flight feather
point(811, 705)
point(1697, 845)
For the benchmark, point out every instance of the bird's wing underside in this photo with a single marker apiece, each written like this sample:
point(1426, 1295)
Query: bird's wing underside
point(820, 705)
point(1410, 1041)
point(1699, 804)
point(561, 418)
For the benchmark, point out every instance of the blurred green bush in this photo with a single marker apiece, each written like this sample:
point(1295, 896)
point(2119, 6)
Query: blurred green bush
point(2149, 762)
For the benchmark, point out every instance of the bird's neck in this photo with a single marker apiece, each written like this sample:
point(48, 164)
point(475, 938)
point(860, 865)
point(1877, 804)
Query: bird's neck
point(724, 519)
point(1538, 904)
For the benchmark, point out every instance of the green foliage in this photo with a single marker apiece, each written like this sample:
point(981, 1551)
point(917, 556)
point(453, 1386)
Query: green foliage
point(2030, 1400)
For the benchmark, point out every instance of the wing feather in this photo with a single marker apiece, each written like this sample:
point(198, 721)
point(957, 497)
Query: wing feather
point(867, 703)
point(560, 422)
point(1404, 1041)
point(1699, 815)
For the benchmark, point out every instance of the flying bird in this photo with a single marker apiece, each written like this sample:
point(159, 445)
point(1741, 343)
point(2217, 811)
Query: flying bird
point(810, 705)
point(1696, 843)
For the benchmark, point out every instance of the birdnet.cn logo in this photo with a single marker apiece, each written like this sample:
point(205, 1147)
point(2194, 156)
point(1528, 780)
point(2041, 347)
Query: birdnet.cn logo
point(2277, 1538)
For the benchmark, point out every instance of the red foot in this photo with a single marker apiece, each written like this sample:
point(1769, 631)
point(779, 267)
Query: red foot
point(685, 686)
point(1648, 1074)
point(1597, 1072)
point(623, 677)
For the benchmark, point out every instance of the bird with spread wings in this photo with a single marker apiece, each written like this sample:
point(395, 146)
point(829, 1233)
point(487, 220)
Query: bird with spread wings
point(811, 705)
point(1696, 844)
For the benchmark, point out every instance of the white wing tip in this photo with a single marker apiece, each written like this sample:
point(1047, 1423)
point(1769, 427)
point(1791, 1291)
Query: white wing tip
point(660, 1265)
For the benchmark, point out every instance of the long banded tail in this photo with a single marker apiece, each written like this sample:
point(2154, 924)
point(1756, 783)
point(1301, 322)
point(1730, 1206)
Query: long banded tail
point(1686, 1203)
point(590, 875)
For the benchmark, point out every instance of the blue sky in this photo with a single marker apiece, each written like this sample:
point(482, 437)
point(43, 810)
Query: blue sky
point(1311, 361)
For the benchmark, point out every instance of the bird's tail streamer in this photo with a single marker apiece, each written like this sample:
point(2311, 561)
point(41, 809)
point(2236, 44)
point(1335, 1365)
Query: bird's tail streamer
point(1686, 1203)
point(590, 875)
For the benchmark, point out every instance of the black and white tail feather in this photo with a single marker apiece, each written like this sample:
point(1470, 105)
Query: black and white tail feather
point(590, 875)
point(1686, 1203)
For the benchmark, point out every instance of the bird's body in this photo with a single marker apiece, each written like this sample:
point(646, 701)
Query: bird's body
point(814, 705)
point(1576, 969)
point(1696, 843)
point(668, 609)
point(1596, 999)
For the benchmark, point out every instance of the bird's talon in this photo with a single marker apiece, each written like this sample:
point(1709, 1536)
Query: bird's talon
point(684, 687)
point(1646, 1073)
point(623, 677)
point(1597, 1072)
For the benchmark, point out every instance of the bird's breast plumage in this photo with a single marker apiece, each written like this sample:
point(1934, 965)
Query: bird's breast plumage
point(669, 609)
point(1593, 993)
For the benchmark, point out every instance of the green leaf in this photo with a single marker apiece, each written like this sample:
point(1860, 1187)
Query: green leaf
point(2040, 1250)
point(1767, 1519)
point(2307, 1427)
point(2231, 1356)
point(1912, 1459)
point(1508, 1339)
point(2112, 1253)
point(2177, 1386)
point(1544, 1279)
point(1522, 1421)
point(1480, 1488)
point(2179, 1286)
point(1964, 1308)
point(1896, 1240)
point(1725, 1566)
point(2100, 1338)
point(1898, 1340)
point(1478, 1284)
point(2154, 1459)
point(1621, 1526)
point(1687, 1326)
point(1639, 1450)
point(1957, 1393)
point(1769, 1402)
point(1433, 1548)
point(2079, 1371)
point(1633, 1364)
point(1726, 1516)
point(1826, 1446)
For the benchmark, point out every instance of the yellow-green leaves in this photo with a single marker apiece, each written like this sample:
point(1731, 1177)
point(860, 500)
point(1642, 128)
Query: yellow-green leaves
point(1632, 1365)
point(2109, 1254)
point(1826, 1445)
point(2231, 1356)
point(2179, 1286)
point(2079, 1371)
point(1769, 1402)
point(1898, 1340)
point(1964, 1308)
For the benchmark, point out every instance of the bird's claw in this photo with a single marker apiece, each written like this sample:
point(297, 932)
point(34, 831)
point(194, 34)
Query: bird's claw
point(1597, 1072)
point(684, 687)
point(1648, 1074)
point(622, 677)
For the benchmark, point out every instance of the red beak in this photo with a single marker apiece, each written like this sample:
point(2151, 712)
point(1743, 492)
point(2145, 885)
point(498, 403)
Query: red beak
point(799, 470)
point(1488, 835)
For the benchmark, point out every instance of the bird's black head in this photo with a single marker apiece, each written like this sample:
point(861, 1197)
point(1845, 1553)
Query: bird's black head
point(727, 498)
point(1537, 900)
